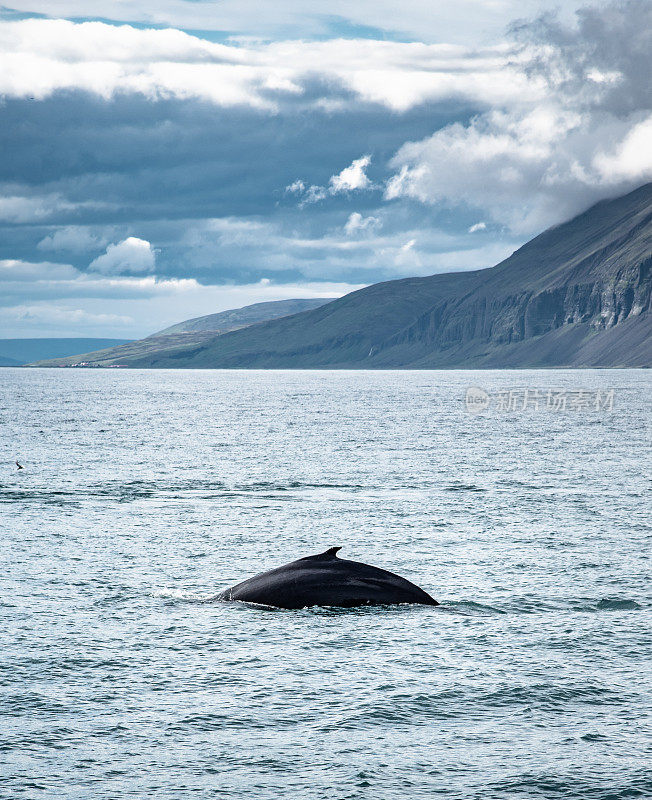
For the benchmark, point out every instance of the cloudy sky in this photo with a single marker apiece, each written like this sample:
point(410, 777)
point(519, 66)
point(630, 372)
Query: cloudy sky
point(162, 159)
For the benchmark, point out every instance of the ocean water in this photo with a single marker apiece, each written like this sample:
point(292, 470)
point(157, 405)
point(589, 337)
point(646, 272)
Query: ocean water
point(145, 493)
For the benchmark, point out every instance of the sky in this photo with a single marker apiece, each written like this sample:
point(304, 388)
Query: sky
point(164, 159)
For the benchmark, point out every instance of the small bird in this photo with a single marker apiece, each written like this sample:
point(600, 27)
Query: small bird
point(20, 466)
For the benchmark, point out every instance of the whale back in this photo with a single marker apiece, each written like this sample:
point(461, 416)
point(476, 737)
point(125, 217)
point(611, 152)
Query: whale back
point(326, 580)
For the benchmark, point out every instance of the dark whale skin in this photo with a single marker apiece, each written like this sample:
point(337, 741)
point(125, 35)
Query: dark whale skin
point(326, 580)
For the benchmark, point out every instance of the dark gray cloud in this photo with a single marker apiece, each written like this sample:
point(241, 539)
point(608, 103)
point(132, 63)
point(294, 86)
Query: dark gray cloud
point(190, 157)
point(156, 170)
point(610, 43)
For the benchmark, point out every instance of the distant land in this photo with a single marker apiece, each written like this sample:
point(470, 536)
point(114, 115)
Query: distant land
point(16, 352)
point(183, 338)
point(577, 295)
point(236, 318)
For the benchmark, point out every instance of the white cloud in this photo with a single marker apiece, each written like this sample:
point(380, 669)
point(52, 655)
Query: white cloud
point(313, 194)
point(356, 223)
point(18, 208)
point(296, 188)
point(48, 280)
point(72, 239)
point(41, 56)
point(364, 245)
point(496, 162)
point(526, 169)
point(351, 178)
point(37, 315)
point(535, 162)
point(630, 158)
point(479, 226)
point(17, 271)
point(132, 255)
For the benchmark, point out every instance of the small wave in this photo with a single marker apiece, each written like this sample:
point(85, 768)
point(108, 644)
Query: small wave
point(571, 786)
point(395, 712)
point(219, 721)
point(519, 484)
point(32, 702)
point(46, 496)
point(594, 737)
point(607, 604)
point(552, 696)
point(54, 738)
point(122, 491)
point(187, 595)
point(470, 608)
point(394, 608)
point(543, 605)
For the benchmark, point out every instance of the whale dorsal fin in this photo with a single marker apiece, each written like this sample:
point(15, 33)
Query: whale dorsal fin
point(330, 553)
point(327, 555)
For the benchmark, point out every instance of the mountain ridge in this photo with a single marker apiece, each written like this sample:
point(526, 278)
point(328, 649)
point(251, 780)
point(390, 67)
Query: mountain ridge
point(185, 336)
point(233, 318)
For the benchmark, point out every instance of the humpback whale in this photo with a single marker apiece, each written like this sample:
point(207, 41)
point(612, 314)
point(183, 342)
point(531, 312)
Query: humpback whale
point(326, 580)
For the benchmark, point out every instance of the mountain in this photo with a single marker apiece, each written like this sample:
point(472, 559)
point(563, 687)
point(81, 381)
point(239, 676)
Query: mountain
point(236, 318)
point(16, 352)
point(183, 337)
point(576, 295)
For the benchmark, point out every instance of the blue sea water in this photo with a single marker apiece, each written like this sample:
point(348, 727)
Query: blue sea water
point(144, 493)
